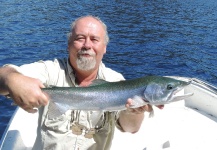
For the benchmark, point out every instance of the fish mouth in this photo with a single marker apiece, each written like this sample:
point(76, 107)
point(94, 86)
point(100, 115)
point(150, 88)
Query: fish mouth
point(182, 87)
point(175, 96)
point(181, 97)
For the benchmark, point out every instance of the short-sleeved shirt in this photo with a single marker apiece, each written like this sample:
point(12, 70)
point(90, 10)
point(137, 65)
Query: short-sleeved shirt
point(70, 130)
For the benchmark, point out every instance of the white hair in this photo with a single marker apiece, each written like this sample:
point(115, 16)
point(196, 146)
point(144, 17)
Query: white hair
point(98, 19)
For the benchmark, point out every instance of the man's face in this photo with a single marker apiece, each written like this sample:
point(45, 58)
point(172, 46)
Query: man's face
point(87, 46)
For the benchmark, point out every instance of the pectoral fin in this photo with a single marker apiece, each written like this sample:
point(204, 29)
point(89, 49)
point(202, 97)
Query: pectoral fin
point(138, 102)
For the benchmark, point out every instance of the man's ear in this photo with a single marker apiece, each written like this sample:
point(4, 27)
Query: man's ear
point(105, 49)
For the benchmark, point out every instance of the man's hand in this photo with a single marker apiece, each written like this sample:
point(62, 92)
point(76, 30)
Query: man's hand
point(25, 91)
point(131, 119)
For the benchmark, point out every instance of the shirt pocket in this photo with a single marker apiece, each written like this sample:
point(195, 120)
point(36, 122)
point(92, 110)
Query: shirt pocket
point(59, 124)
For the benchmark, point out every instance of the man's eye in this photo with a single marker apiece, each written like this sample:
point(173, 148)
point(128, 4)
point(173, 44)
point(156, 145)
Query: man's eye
point(94, 39)
point(79, 39)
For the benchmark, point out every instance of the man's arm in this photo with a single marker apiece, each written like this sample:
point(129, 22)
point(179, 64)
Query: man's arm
point(25, 91)
point(4, 73)
point(131, 119)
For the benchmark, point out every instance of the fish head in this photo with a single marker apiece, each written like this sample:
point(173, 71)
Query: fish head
point(163, 90)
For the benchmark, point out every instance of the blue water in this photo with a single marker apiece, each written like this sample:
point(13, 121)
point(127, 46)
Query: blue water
point(160, 37)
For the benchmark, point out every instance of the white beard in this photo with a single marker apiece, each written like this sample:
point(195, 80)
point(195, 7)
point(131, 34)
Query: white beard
point(86, 63)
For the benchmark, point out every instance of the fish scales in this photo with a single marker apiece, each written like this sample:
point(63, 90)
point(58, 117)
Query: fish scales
point(92, 98)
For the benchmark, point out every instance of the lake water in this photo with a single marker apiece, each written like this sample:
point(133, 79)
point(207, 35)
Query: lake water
point(160, 37)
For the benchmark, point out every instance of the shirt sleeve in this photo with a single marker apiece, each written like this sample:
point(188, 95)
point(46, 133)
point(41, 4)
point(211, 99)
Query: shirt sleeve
point(48, 72)
point(109, 74)
point(35, 70)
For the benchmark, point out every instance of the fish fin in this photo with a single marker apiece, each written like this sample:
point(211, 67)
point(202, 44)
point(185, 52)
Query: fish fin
point(138, 102)
point(151, 114)
point(98, 82)
point(53, 110)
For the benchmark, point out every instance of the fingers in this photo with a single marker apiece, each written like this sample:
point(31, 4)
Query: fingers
point(44, 96)
point(44, 99)
point(32, 110)
point(41, 85)
point(160, 106)
point(148, 108)
point(29, 109)
point(41, 101)
point(129, 103)
point(140, 110)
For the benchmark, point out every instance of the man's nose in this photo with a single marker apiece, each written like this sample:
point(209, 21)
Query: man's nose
point(87, 43)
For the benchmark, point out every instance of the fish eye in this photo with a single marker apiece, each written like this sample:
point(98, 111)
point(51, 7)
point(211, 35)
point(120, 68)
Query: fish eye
point(169, 87)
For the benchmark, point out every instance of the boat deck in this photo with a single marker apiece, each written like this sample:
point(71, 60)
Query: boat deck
point(176, 127)
point(22, 129)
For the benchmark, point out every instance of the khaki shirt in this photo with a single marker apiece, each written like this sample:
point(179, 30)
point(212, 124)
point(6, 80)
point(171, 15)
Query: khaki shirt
point(72, 130)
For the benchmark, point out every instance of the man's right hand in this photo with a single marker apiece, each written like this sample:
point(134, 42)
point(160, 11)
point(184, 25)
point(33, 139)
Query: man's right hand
point(25, 91)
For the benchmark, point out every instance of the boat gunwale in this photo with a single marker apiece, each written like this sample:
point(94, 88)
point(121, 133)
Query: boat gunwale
point(4, 135)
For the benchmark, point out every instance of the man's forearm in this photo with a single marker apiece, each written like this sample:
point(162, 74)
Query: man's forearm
point(5, 72)
point(130, 122)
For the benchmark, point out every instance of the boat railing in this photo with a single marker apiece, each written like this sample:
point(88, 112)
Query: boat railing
point(205, 85)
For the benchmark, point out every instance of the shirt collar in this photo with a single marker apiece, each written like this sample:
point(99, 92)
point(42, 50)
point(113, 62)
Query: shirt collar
point(71, 73)
point(69, 68)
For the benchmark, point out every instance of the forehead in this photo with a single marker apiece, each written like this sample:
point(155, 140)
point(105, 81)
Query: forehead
point(89, 25)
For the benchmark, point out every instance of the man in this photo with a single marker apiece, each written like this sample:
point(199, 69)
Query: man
point(75, 129)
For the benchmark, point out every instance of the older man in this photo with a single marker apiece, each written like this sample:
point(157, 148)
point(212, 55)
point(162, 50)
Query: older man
point(76, 129)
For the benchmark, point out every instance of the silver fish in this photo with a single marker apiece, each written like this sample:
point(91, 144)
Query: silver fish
point(112, 96)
